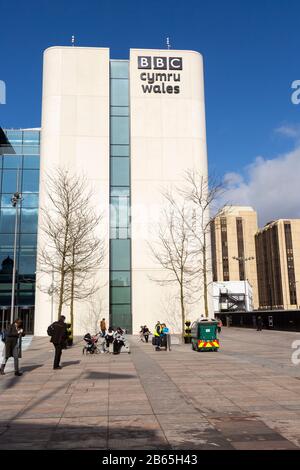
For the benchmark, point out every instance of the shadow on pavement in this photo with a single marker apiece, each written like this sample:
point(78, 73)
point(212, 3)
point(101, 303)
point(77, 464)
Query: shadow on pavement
point(15, 380)
point(79, 433)
point(105, 375)
point(70, 363)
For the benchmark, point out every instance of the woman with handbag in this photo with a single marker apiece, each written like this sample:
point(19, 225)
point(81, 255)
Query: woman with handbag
point(13, 346)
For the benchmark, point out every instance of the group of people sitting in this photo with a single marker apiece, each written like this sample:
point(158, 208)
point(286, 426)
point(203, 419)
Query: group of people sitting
point(105, 339)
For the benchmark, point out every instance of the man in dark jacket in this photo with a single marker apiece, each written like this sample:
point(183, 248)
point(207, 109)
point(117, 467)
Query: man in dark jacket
point(59, 337)
point(13, 345)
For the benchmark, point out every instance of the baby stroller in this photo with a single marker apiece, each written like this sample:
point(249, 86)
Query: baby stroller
point(91, 346)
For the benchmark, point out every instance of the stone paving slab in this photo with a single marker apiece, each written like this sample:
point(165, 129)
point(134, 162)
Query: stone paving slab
point(246, 396)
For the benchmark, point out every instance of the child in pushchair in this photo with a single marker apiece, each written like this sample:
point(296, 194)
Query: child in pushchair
point(91, 346)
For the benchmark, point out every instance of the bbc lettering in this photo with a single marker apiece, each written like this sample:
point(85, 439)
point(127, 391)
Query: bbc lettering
point(160, 63)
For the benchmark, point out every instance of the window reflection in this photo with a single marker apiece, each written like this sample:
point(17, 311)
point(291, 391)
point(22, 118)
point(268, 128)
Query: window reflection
point(30, 181)
point(29, 218)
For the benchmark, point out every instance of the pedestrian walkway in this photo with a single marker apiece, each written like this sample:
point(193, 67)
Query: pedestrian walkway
point(246, 396)
point(26, 341)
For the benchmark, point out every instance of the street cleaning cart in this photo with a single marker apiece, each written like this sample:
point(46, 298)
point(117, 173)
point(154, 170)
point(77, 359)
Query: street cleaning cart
point(204, 335)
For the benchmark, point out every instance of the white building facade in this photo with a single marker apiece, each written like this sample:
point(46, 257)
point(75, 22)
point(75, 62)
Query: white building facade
point(133, 128)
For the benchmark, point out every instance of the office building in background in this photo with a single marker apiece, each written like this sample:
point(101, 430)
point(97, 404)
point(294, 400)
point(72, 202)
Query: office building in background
point(278, 264)
point(233, 249)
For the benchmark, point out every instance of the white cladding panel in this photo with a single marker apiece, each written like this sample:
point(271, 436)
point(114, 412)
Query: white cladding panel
point(75, 135)
point(168, 136)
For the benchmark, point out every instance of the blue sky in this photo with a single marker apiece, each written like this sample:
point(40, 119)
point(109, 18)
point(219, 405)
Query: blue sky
point(250, 49)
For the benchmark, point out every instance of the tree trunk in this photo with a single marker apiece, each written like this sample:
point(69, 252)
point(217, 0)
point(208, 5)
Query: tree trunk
point(72, 302)
point(62, 273)
point(61, 289)
point(182, 307)
point(205, 278)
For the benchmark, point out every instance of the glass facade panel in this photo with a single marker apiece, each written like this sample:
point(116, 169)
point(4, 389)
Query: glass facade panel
point(119, 93)
point(121, 316)
point(18, 143)
point(119, 171)
point(119, 69)
point(119, 130)
point(120, 278)
point(27, 261)
point(30, 200)
point(119, 151)
point(120, 255)
point(6, 241)
point(31, 161)
point(30, 150)
point(9, 181)
point(30, 181)
point(29, 218)
point(7, 220)
point(28, 240)
point(119, 111)
point(120, 244)
point(12, 161)
point(119, 191)
point(120, 295)
point(6, 200)
point(119, 211)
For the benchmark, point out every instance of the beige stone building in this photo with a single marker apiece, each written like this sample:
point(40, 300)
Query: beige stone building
point(278, 264)
point(233, 247)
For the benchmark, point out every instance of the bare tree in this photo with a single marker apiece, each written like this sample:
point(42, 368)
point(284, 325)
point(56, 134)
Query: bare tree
point(183, 248)
point(71, 250)
point(86, 254)
point(205, 195)
point(174, 251)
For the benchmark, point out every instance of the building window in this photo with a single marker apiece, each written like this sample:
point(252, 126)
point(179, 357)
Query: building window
point(224, 244)
point(290, 263)
point(240, 247)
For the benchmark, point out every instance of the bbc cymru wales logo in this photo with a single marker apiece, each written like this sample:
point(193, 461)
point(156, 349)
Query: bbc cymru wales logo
point(160, 74)
point(2, 92)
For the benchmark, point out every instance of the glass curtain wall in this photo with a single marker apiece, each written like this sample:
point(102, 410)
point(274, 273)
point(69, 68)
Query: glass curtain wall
point(120, 238)
point(19, 154)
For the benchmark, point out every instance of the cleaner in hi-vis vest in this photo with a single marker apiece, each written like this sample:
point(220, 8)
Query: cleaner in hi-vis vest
point(157, 333)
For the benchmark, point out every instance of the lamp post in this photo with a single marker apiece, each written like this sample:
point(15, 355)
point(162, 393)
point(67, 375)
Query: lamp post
point(15, 200)
point(243, 259)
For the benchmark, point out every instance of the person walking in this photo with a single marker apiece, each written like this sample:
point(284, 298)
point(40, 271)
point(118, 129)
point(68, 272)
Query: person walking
point(142, 334)
point(59, 336)
point(103, 327)
point(220, 324)
point(259, 323)
point(13, 346)
point(146, 333)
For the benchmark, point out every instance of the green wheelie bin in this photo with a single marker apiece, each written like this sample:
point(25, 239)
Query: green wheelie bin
point(204, 335)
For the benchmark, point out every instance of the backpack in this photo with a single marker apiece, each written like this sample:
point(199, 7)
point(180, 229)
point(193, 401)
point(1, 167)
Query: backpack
point(50, 330)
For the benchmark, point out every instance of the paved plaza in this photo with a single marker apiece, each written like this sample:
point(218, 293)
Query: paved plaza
point(246, 396)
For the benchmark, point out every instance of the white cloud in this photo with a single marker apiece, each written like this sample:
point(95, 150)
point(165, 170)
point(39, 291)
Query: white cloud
point(271, 187)
point(289, 130)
